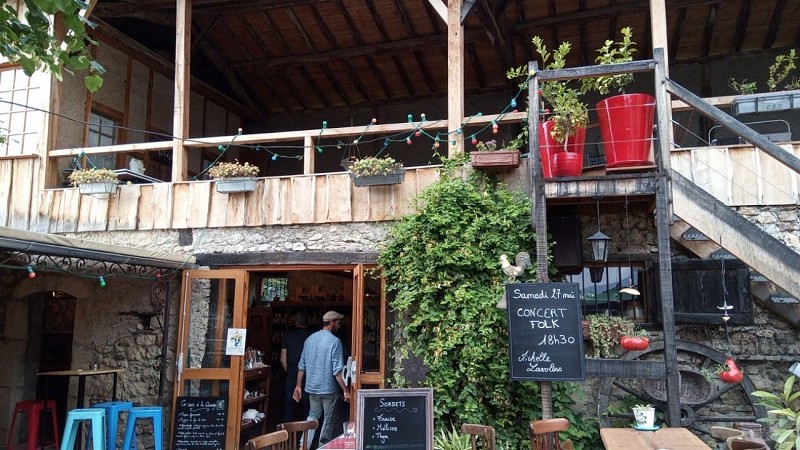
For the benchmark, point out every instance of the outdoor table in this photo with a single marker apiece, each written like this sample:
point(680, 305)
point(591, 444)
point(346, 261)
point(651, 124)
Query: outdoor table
point(663, 439)
point(82, 374)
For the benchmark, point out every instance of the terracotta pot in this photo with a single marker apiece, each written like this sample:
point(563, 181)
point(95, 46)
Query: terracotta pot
point(626, 127)
point(548, 147)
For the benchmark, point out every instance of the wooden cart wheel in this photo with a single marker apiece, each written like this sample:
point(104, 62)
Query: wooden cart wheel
point(720, 404)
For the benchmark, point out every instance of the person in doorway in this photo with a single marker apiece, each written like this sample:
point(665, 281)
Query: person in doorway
point(291, 349)
point(321, 365)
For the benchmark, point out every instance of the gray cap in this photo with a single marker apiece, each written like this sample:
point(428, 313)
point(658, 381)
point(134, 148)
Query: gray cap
point(331, 315)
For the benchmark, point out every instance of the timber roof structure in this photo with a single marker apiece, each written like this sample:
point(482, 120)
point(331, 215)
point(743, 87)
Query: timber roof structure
point(278, 56)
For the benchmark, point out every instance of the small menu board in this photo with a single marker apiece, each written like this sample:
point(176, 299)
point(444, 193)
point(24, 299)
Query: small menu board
point(395, 419)
point(545, 336)
point(200, 423)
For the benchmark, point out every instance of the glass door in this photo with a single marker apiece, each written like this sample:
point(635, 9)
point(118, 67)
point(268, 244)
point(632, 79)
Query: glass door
point(211, 315)
point(369, 330)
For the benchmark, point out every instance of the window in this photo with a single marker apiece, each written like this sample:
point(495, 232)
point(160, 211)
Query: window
point(600, 287)
point(102, 131)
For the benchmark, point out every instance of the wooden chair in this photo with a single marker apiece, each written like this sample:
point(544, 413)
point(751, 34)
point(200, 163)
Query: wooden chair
point(480, 433)
point(266, 440)
point(296, 430)
point(544, 433)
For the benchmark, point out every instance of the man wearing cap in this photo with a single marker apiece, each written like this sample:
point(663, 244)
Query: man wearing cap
point(321, 365)
point(291, 348)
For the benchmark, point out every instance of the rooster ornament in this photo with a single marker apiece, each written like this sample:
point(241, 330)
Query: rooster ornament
point(522, 262)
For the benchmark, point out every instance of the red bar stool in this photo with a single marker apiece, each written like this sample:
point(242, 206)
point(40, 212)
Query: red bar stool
point(34, 409)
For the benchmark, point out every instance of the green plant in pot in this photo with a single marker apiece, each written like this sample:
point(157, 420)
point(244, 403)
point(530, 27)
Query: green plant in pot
point(783, 91)
point(375, 170)
point(626, 120)
point(562, 135)
point(604, 334)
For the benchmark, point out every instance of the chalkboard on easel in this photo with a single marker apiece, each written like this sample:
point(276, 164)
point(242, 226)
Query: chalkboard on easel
point(200, 423)
point(391, 419)
point(545, 336)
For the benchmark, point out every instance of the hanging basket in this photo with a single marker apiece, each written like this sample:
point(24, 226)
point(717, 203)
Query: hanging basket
point(694, 388)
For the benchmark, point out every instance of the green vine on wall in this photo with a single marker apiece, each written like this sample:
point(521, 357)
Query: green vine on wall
point(442, 265)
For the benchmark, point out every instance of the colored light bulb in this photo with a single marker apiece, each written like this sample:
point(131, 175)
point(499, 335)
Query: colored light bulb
point(31, 273)
point(102, 281)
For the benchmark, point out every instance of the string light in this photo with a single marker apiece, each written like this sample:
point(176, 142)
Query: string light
point(102, 281)
point(31, 273)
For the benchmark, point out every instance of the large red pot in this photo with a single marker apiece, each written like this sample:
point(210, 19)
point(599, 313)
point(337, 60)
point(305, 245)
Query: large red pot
point(626, 127)
point(548, 148)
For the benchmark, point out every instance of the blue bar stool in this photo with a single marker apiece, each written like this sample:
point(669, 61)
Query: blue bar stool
point(113, 410)
point(96, 418)
point(144, 412)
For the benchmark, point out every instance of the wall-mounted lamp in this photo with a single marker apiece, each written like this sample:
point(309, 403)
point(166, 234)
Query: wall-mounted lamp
point(600, 242)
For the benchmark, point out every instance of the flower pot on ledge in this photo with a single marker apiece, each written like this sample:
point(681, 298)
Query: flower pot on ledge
point(236, 184)
point(379, 180)
point(98, 188)
point(495, 161)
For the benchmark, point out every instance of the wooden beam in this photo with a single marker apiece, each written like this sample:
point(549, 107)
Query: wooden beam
point(774, 24)
point(285, 258)
point(180, 128)
point(441, 10)
point(741, 25)
point(658, 26)
point(708, 30)
point(455, 78)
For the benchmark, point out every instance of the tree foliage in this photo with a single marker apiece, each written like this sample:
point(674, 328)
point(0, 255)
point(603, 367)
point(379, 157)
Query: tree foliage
point(442, 265)
point(52, 36)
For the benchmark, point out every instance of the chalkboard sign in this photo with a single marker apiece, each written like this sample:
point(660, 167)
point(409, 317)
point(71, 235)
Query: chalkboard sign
point(200, 423)
point(395, 419)
point(544, 327)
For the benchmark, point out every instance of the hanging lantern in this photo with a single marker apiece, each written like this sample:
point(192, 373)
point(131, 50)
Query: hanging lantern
point(600, 242)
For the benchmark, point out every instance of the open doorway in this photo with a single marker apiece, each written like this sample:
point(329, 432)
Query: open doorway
point(57, 323)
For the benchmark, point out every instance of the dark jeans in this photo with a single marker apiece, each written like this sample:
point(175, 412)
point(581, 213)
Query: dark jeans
point(294, 410)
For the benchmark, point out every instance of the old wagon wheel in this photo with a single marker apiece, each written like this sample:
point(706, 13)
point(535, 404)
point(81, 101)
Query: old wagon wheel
point(703, 403)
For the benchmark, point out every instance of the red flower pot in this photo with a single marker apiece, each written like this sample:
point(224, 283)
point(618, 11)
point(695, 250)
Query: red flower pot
point(548, 148)
point(634, 343)
point(732, 374)
point(566, 164)
point(626, 127)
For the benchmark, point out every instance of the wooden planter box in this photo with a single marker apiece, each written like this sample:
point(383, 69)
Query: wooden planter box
point(496, 161)
point(379, 180)
point(234, 185)
point(98, 188)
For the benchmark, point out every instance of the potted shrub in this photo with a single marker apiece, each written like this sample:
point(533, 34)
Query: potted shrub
point(638, 340)
point(94, 181)
point(488, 157)
point(626, 120)
point(562, 135)
point(604, 332)
point(783, 413)
point(644, 416)
point(375, 171)
point(232, 177)
point(787, 97)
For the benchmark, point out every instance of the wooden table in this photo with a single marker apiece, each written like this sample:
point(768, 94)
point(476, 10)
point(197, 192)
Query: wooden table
point(665, 438)
point(82, 374)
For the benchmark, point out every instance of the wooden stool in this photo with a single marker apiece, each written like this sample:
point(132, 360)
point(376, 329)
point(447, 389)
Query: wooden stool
point(96, 418)
point(34, 409)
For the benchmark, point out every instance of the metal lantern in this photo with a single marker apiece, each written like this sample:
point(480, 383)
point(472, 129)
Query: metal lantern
point(600, 245)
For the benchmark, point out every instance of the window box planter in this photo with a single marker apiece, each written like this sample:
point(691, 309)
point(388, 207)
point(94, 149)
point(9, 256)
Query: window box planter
point(495, 161)
point(379, 180)
point(766, 102)
point(236, 184)
point(98, 188)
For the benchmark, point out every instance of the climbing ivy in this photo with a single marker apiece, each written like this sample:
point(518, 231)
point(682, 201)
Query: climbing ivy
point(441, 263)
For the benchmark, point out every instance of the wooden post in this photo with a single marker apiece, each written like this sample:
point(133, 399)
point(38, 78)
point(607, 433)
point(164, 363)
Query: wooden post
point(180, 119)
point(308, 155)
point(658, 27)
point(455, 77)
